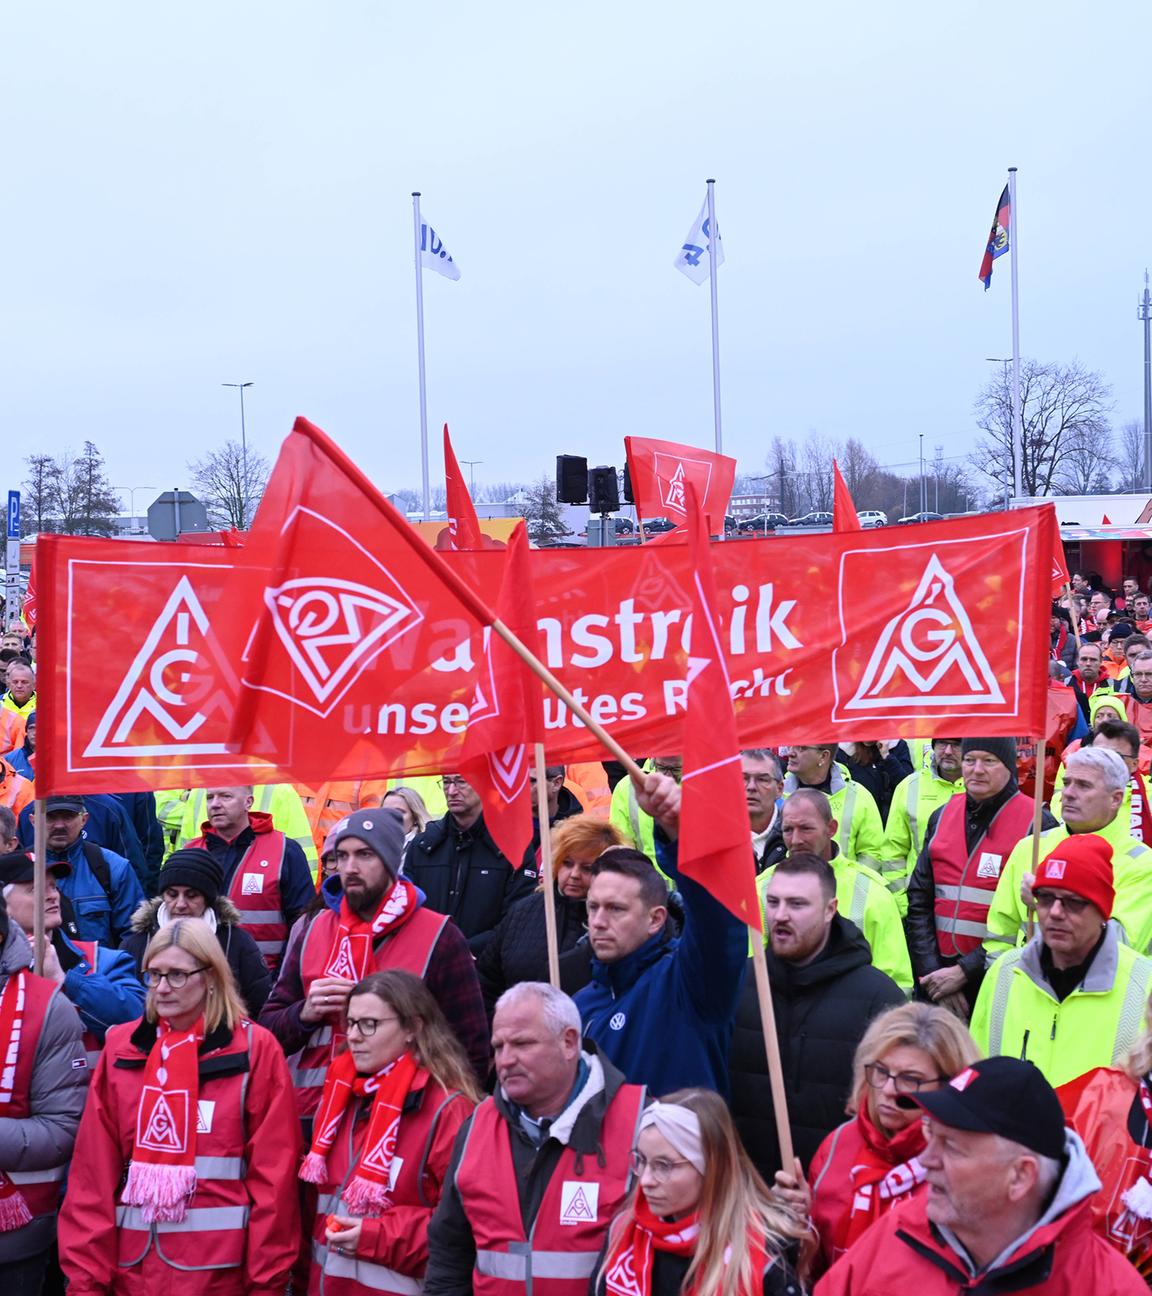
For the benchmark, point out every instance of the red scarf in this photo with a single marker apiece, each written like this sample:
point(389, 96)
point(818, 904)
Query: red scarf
point(351, 954)
point(14, 1212)
point(888, 1168)
point(162, 1173)
point(628, 1269)
point(367, 1190)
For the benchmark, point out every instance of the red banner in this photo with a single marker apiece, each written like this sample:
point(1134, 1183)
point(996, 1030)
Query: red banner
point(660, 471)
point(938, 628)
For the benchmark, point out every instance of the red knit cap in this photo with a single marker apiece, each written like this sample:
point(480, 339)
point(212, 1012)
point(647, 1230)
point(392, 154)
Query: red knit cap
point(1083, 865)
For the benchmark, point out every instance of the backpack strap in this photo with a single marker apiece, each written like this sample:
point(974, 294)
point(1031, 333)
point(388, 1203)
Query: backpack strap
point(99, 866)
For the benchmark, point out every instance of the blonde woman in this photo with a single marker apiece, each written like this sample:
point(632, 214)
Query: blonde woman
point(1111, 1110)
point(186, 1157)
point(700, 1219)
point(409, 805)
point(869, 1164)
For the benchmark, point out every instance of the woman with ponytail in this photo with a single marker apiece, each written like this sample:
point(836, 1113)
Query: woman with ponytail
point(701, 1221)
point(392, 1104)
point(182, 1179)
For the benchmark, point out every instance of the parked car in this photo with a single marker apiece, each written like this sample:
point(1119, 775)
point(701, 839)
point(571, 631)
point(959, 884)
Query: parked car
point(761, 523)
point(656, 525)
point(624, 526)
point(920, 517)
point(872, 518)
point(814, 519)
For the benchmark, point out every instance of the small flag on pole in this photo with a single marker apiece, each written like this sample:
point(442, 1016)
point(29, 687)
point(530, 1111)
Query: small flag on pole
point(998, 239)
point(434, 255)
point(844, 516)
point(692, 259)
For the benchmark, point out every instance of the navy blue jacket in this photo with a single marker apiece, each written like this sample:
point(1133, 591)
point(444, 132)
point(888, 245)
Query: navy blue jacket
point(108, 825)
point(97, 917)
point(664, 1013)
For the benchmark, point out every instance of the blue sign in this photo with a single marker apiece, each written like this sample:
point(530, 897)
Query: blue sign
point(13, 515)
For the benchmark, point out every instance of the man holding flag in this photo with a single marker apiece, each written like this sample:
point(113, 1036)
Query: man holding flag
point(642, 978)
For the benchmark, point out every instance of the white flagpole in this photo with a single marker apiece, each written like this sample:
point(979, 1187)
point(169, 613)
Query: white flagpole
point(715, 318)
point(420, 356)
point(1017, 411)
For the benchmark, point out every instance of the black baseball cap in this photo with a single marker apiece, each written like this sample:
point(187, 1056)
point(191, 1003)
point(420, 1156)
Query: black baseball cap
point(18, 867)
point(1005, 1096)
point(73, 804)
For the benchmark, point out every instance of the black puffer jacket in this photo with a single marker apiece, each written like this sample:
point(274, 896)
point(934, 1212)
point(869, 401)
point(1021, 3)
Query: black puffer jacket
point(250, 972)
point(822, 1010)
point(518, 950)
point(464, 875)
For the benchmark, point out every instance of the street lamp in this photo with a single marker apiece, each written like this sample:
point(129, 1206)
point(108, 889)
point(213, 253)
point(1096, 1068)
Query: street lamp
point(243, 454)
point(472, 474)
point(131, 493)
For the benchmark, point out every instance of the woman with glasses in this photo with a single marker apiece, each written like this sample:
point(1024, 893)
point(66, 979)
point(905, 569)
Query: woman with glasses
point(869, 1164)
point(700, 1219)
point(184, 1163)
point(392, 1105)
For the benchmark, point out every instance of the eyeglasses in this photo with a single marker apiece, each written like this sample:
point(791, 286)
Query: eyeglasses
point(660, 1167)
point(1072, 904)
point(453, 781)
point(673, 771)
point(878, 1075)
point(176, 979)
point(367, 1025)
point(761, 780)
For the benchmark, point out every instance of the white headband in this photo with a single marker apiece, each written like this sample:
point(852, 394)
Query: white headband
point(680, 1126)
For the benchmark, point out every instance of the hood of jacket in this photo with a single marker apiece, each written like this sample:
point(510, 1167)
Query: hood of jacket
point(838, 780)
point(332, 893)
point(845, 951)
point(258, 822)
point(1101, 974)
point(16, 952)
point(147, 915)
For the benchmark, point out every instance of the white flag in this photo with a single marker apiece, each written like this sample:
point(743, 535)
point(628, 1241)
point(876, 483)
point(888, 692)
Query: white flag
point(692, 258)
point(434, 255)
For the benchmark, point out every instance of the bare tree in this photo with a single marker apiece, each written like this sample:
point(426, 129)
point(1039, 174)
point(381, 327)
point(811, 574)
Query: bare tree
point(1129, 457)
point(230, 483)
point(542, 512)
point(1086, 465)
point(818, 455)
point(38, 511)
point(783, 475)
point(859, 468)
point(1063, 407)
point(71, 493)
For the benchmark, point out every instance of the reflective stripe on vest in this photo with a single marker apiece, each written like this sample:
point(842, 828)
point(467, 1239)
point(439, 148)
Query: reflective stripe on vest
point(53, 1175)
point(1005, 966)
point(912, 808)
point(634, 817)
point(198, 1219)
point(1131, 1017)
point(962, 897)
point(859, 900)
point(367, 1273)
point(213, 1167)
point(847, 809)
point(513, 1264)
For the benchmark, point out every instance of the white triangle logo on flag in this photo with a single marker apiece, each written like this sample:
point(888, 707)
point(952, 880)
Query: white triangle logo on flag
point(931, 643)
point(674, 495)
point(150, 696)
point(163, 1133)
point(509, 770)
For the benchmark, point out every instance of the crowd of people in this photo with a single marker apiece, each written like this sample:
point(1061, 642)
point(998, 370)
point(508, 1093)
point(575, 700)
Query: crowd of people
point(295, 1039)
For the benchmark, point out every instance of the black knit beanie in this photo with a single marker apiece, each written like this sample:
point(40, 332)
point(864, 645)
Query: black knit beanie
point(1004, 749)
point(193, 867)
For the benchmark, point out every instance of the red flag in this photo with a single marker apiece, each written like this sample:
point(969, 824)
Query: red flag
point(843, 509)
point(337, 580)
point(1060, 576)
point(714, 846)
point(506, 718)
point(28, 610)
point(660, 471)
point(463, 524)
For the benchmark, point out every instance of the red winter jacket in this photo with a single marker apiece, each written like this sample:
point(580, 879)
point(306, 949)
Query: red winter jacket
point(1063, 1256)
point(241, 1233)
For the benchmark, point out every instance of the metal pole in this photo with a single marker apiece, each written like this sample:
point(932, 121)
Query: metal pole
point(923, 502)
point(420, 359)
point(1017, 409)
point(176, 505)
point(712, 240)
point(1145, 313)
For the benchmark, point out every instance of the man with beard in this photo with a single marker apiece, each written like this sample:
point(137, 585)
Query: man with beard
point(372, 920)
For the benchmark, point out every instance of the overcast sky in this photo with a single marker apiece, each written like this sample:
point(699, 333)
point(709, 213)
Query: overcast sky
point(218, 192)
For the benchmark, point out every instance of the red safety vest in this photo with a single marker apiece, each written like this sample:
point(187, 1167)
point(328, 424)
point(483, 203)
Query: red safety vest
point(213, 1233)
point(255, 891)
point(415, 1184)
point(965, 882)
point(408, 950)
point(559, 1255)
point(39, 1188)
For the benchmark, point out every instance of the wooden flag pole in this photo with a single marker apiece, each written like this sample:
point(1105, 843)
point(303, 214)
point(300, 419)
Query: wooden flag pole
point(1037, 815)
point(1072, 615)
point(772, 1049)
point(537, 667)
point(546, 869)
point(39, 883)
